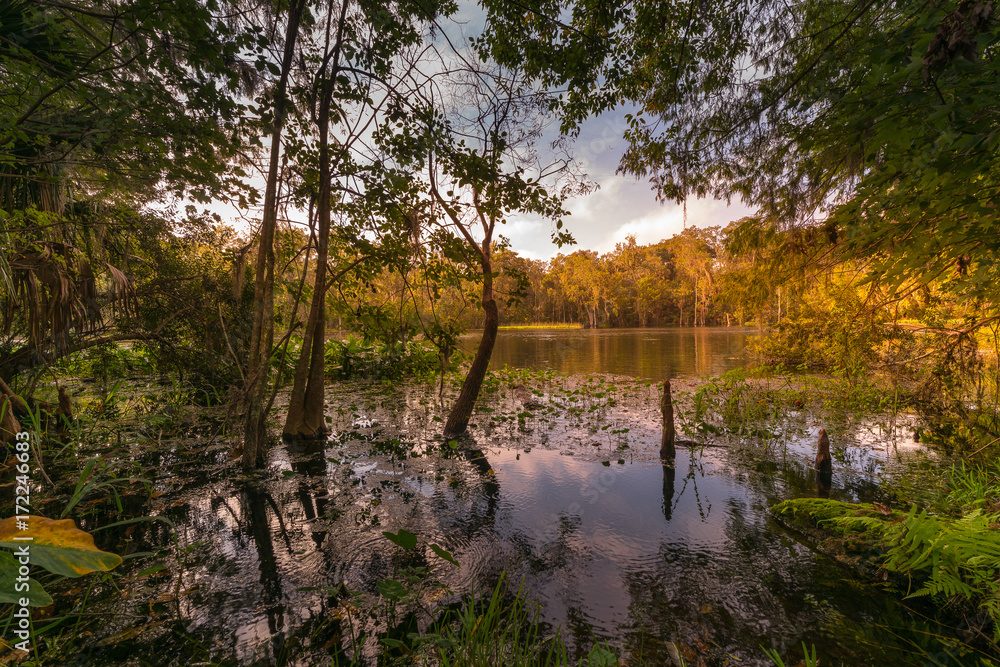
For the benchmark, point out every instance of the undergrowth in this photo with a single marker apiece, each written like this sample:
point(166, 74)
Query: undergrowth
point(949, 552)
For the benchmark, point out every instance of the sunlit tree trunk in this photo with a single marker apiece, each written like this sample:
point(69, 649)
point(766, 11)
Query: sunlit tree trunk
point(458, 419)
point(696, 301)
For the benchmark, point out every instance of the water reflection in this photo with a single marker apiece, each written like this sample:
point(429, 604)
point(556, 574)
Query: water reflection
point(669, 474)
point(660, 560)
point(256, 502)
point(824, 481)
point(645, 353)
point(308, 458)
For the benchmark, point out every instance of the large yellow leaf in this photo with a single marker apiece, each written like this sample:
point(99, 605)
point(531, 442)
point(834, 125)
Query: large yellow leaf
point(58, 546)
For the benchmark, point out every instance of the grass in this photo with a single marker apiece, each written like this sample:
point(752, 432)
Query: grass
point(482, 632)
point(508, 633)
point(502, 630)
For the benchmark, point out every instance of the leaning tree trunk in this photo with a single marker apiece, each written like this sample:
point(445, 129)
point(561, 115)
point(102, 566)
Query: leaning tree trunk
point(458, 419)
point(262, 334)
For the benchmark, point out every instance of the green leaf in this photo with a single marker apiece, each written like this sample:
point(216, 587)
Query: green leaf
point(150, 570)
point(391, 589)
point(403, 538)
point(37, 597)
point(392, 643)
point(601, 657)
point(443, 553)
point(58, 546)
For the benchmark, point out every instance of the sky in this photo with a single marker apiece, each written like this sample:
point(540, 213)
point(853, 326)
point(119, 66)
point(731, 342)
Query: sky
point(619, 207)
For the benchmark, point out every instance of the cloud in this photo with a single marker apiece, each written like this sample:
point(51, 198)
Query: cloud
point(622, 206)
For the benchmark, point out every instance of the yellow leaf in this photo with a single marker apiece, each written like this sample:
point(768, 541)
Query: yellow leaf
point(57, 546)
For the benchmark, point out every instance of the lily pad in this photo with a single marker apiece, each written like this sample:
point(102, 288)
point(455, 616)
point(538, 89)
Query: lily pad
point(58, 546)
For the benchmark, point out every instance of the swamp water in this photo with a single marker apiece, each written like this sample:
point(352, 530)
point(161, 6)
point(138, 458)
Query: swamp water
point(559, 485)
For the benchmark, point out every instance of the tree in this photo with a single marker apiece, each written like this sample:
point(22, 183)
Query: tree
point(305, 406)
point(584, 282)
point(356, 59)
point(262, 331)
point(78, 163)
point(641, 275)
point(693, 258)
point(74, 75)
point(478, 154)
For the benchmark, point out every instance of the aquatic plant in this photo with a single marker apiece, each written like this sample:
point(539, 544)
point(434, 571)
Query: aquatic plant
point(502, 629)
point(809, 659)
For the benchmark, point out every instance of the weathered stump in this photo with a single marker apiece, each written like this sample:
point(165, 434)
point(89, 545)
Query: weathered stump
point(824, 463)
point(667, 450)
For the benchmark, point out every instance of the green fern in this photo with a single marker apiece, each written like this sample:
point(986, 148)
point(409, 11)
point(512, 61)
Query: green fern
point(952, 557)
point(949, 557)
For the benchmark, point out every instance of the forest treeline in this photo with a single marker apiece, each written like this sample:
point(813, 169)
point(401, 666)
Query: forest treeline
point(700, 277)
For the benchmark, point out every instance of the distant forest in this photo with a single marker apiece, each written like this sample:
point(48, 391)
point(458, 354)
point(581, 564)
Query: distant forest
point(748, 273)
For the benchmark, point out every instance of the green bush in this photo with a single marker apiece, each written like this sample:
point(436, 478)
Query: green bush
point(360, 358)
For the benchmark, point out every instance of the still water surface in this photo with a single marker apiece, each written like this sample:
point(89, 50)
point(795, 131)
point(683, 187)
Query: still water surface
point(652, 354)
point(658, 561)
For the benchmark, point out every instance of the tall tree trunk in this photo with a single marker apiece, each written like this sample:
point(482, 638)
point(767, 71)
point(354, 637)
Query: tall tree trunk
point(306, 415)
point(696, 302)
point(458, 419)
point(262, 334)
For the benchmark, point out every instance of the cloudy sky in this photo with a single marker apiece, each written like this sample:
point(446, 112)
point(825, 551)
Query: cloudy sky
point(621, 206)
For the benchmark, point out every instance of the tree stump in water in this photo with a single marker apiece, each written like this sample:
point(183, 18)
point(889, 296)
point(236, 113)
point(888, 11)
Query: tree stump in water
point(65, 407)
point(824, 463)
point(667, 450)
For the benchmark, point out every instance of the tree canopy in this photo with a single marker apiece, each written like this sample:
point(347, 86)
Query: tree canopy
point(875, 119)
